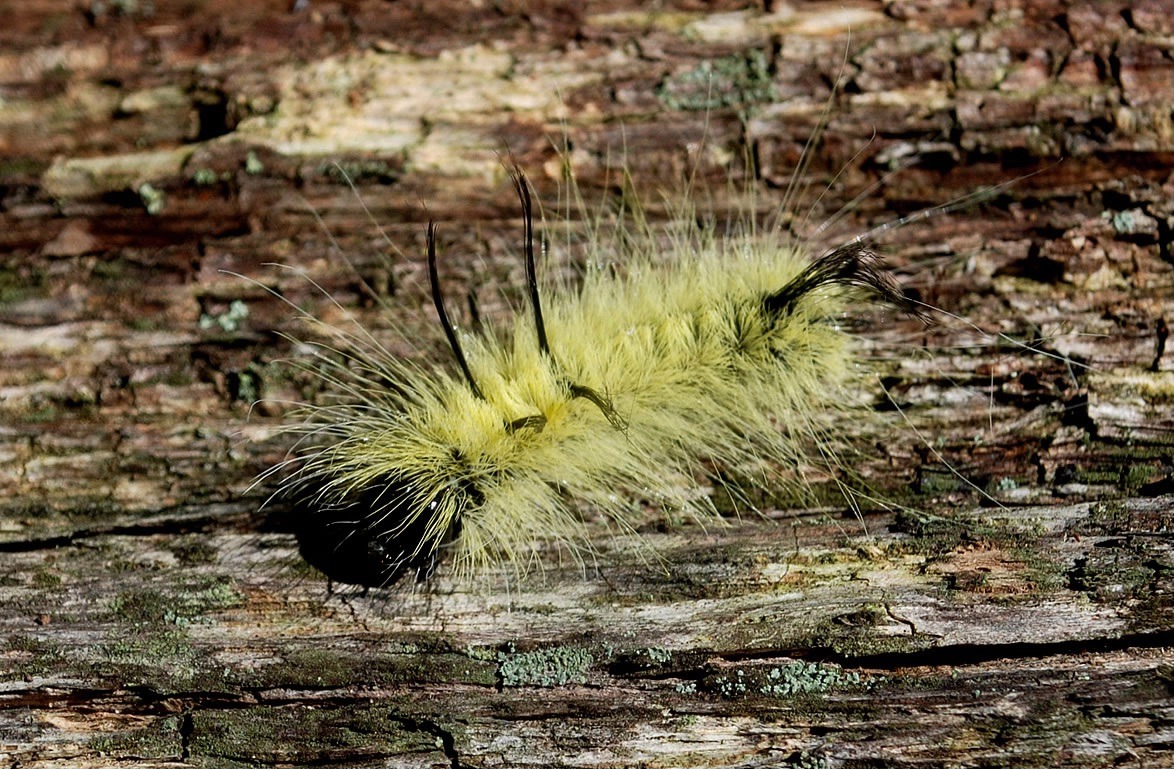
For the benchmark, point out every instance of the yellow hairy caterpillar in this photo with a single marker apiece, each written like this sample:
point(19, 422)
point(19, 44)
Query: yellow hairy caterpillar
point(727, 351)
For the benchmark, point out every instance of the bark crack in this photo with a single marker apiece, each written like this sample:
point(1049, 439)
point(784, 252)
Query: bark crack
point(444, 738)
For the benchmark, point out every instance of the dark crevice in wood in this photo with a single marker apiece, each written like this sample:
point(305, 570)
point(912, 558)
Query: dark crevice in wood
point(692, 664)
point(975, 654)
point(236, 517)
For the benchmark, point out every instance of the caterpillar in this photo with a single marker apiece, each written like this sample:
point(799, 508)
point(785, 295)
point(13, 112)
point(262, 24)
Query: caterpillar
point(726, 351)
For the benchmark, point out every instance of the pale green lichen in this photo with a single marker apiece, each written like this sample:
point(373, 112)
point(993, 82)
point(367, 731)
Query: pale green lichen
point(227, 321)
point(557, 666)
point(789, 680)
point(804, 678)
point(253, 164)
point(1135, 221)
point(737, 81)
point(204, 177)
point(658, 656)
point(481, 653)
point(153, 199)
point(245, 385)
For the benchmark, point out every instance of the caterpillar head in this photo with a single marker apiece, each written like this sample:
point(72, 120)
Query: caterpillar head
point(374, 536)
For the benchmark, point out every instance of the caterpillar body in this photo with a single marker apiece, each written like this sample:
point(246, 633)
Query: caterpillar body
point(728, 352)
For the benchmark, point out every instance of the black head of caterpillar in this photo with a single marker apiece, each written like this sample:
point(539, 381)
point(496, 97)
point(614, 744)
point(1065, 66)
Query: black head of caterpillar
point(369, 537)
point(630, 379)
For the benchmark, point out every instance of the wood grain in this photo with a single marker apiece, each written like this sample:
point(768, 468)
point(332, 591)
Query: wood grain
point(1010, 606)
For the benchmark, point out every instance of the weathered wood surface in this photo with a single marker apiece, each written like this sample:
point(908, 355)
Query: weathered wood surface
point(150, 617)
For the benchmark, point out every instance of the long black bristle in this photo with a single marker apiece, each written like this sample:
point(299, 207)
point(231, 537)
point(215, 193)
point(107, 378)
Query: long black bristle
point(523, 190)
point(438, 301)
point(852, 264)
point(522, 187)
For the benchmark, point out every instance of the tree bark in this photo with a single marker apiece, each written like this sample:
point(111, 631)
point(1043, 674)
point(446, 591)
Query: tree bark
point(1004, 599)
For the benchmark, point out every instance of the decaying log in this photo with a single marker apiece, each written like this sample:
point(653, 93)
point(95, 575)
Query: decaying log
point(1005, 598)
